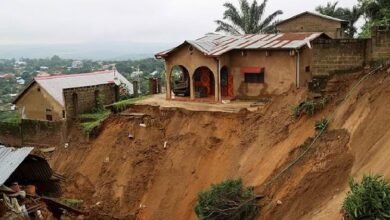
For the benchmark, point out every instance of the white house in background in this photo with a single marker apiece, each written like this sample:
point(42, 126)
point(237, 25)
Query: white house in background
point(77, 64)
point(43, 68)
point(20, 80)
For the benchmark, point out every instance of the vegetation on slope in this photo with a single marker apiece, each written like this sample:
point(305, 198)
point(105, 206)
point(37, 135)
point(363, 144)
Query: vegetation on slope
point(9, 121)
point(93, 120)
point(228, 200)
point(369, 199)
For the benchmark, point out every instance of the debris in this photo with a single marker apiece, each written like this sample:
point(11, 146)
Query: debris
point(165, 144)
point(107, 160)
point(142, 125)
point(47, 150)
point(133, 115)
point(66, 145)
point(279, 202)
point(99, 203)
point(225, 101)
point(131, 136)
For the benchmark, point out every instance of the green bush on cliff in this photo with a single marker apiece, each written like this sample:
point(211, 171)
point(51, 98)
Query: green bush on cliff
point(369, 199)
point(228, 200)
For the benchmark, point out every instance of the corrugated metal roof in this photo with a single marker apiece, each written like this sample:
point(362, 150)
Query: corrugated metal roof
point(55, 85)
point(216, 45)
point(10, 159)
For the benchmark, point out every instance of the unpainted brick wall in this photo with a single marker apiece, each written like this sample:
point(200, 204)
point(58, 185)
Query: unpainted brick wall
point(338, 55)
point(42, 132)
point(380, 47)
point(86, 98)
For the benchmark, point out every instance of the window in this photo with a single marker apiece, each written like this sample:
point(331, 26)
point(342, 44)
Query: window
point(254, 77)
point(49, 115)
point(307, 69)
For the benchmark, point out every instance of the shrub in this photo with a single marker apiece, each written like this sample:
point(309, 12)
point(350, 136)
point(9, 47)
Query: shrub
point(296, 111)
point(228, 200)
point(309, 107)
point(321, 124)
point(369, 199)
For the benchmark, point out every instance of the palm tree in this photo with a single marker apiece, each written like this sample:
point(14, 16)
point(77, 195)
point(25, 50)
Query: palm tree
point(247, 19)
point(350, 15)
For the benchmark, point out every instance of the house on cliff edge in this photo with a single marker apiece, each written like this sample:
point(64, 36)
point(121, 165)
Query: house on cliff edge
point(217, 67)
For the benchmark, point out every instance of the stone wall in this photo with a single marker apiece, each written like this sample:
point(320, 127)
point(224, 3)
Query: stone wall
point(380, 43)
point(338, 55)
point(84, 99)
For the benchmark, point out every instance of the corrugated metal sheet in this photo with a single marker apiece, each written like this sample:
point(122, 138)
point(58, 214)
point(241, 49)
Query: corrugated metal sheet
point(55, 85)
point(10, 159)
point(216, 45)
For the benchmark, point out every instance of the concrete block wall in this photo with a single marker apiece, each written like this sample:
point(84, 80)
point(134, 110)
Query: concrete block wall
point(338, 55)
point(380, 43)
point(86, 98)
point(344, 55)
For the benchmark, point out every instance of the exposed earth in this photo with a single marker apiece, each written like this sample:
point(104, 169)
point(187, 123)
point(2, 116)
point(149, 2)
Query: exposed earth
point(158, 173)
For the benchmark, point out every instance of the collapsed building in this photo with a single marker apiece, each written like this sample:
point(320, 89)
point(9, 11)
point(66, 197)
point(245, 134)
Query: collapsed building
point(28, 186)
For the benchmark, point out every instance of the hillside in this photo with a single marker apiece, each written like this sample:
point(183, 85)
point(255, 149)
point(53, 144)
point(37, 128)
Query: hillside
point(138, 178)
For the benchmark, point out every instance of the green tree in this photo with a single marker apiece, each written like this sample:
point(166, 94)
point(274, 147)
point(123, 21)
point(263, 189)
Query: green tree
point(228, 200)
point(376, 12)
point(351, 15)
point(369, 199)
point(247, 19)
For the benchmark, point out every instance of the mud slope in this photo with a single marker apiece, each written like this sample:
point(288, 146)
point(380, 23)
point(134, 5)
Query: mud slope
point(138, 178)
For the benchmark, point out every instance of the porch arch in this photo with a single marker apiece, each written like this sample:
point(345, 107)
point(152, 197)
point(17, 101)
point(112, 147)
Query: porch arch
point(179, 81)
point(204, 82)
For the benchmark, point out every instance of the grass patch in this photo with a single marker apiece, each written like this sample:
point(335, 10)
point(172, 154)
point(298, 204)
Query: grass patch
point(10, 122)
point(321, 124)
point(93, 120)
point(125, 104)
point(11, 117)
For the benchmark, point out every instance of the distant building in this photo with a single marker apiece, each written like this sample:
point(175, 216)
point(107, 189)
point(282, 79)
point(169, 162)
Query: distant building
point(42, 74)
point(43, 68)
point(20, 63)
point(76, 64)
point(7, 76)
point(314, 22)
point(61, 97)
point(20, 81)
point(137, 73)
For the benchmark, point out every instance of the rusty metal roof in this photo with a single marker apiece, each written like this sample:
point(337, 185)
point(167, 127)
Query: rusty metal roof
point(54, 85)
point(10, 159)
point(216, 45)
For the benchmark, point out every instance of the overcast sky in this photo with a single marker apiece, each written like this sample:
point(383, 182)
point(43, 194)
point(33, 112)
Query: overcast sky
point(144, 21)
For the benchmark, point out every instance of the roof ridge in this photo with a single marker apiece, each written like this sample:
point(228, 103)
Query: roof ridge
point(63, 75)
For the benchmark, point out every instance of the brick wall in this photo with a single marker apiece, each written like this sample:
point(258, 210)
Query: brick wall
point(380, 43)
point(85, 98)
point(338, 55)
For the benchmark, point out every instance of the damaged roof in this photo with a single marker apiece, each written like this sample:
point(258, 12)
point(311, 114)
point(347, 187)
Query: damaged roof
point(10, 159)
point(216, 45)
point(54, 85)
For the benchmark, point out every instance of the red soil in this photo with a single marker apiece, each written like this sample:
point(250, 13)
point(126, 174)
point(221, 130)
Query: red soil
point(124, 178)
